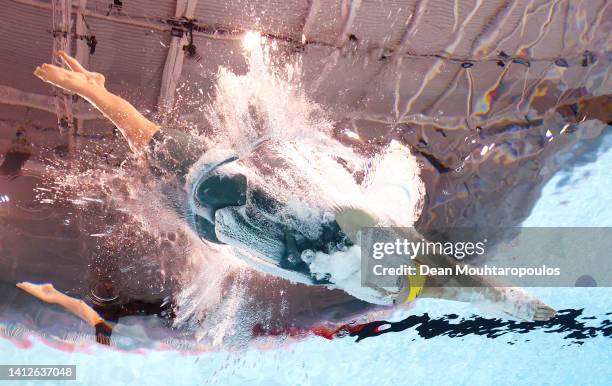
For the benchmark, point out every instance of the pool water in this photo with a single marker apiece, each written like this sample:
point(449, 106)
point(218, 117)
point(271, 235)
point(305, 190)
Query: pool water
point(479, 352)
point(434, 342)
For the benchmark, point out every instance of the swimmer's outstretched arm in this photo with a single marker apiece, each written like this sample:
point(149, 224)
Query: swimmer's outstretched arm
point(136, 129)
point(47, 293)
point(512, 300)
point(480, 290)
point(471, 289)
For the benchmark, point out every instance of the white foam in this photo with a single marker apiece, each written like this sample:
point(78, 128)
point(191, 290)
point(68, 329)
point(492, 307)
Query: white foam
point(343, 269)
point(302, 167)
point(286, 149)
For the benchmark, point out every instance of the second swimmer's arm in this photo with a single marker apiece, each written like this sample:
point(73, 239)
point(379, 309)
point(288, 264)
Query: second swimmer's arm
point(136, 129)
point(47, 293)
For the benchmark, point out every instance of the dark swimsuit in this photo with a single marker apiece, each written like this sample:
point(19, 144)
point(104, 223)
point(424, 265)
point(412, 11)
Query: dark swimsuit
point(173, 152)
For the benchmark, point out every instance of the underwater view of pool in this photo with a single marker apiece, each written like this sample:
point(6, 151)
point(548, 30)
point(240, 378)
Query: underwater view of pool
point(299, 192)
point(471, 347)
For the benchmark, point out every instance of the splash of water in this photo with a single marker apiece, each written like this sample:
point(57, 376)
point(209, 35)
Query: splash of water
point(268, 102)
point(286, 147)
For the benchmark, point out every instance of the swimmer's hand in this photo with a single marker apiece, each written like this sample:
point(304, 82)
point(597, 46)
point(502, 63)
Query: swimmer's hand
point(522, 305)
point(136, 129)
point(45, 292)
point(76, 79)
point(512, 301)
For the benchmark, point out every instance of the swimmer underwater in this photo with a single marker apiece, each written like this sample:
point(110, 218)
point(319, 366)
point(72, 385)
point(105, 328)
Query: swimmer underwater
point(221, 193)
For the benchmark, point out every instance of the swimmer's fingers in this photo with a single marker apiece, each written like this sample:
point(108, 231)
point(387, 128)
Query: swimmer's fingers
point(36, 289)
point(28, 287)
point(44, 292)
point(544, 313)
point(94, 78)
point(103, 333)
point(42, 72)
point(51, 73)
point(103, 340)
point(71, 62)
point(75, 66)
point(73, 82)
point(25, 287)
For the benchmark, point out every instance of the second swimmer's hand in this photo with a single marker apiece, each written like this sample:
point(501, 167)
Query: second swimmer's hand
point(76, 79)
point(135, 127)
point(45, 292)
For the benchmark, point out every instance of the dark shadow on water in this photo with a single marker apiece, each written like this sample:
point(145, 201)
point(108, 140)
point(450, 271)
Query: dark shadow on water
point(569, 323)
